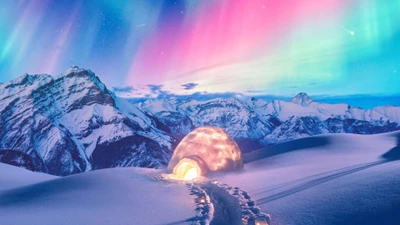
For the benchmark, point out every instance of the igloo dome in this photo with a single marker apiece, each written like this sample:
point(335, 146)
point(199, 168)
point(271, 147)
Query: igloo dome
point(205, 149)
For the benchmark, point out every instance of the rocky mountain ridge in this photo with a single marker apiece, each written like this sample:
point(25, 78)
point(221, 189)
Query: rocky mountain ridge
point(72, 123)
point(256, 123)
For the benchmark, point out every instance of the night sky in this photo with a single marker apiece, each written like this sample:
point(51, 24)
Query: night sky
point(271, 47)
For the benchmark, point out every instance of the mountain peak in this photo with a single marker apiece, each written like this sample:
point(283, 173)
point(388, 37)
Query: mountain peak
point(76, 70)
point(302, 99)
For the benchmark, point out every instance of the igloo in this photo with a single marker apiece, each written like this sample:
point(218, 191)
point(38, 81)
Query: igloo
point(205, 149)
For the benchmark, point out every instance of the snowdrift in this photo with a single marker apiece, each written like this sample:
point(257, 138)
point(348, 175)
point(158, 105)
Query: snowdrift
point(109, 196)
point(327, 179)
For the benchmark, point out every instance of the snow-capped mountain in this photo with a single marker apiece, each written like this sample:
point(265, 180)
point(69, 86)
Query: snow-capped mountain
point(302, 105)
point(73, 123)
point(234, 116)
point(302, 99)
point(254, 123)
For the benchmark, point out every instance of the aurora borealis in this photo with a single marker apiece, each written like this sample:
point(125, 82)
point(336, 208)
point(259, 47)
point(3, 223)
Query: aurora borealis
point(277, 47)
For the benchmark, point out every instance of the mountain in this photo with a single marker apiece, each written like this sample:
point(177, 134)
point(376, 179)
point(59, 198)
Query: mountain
point(255, 123)
point(73, 123)
point(302, 99)
point(232, 115)
point(31, 162)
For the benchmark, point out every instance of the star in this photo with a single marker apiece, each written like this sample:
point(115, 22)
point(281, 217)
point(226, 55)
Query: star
point(349, 31)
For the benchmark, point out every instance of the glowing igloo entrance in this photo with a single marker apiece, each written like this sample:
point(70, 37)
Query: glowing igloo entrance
point(205, 149)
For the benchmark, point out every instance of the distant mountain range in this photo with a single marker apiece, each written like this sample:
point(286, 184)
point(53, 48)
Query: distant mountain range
point(73, 123)
point(255, 123)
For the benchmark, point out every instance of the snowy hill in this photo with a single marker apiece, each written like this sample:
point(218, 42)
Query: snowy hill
point(109, 196)
point(73, 123)
point(326, 179)
point(13, 177)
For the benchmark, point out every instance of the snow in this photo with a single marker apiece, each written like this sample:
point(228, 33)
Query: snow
point(135, 114)
point(20, 87)
point(302, 106)
point(159, 105)
point(326, 179)
point(302, 99)
point(264, 123)
point(14, 177)
point(74, 110)
point(110, 196)
point(132, 112)
point(73, 69)
point(81, 120)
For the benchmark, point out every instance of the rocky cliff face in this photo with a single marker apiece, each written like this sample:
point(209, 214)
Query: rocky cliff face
point(73, 122)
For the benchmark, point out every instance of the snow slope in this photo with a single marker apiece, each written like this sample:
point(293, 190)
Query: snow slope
point(326, 179)
point(13, 177)
point(109, 196)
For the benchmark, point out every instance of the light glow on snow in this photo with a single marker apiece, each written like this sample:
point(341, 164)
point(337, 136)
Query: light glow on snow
point(187, 169)
point(261, 222)
point(190, 174)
